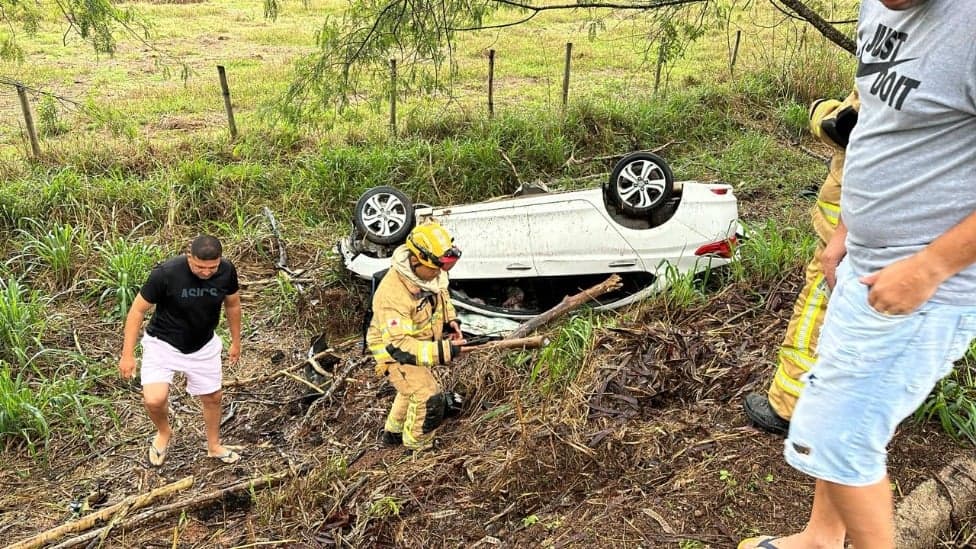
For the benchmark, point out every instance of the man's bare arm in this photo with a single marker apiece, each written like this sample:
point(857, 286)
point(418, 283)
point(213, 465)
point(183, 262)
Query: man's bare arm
point(232, 307)
point(130, 334)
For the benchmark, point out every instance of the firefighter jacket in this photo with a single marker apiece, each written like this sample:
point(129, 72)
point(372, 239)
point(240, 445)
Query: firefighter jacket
point(409, 315)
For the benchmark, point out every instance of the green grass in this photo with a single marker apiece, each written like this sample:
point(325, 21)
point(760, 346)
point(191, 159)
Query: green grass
point(123, 267)
point(771, 251)
point(284, 297)
point(560, 362)
point(55, 253)
point(32, 410)
point(684, 288)
point(953, 401)
point(23, 321)
point(610, 61)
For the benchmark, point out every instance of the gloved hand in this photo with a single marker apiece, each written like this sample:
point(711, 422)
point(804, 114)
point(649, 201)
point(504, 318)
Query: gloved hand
point(832, 121)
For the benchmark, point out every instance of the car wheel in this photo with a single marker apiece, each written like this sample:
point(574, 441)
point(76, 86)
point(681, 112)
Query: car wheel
point(384, 215)
point(640, 183)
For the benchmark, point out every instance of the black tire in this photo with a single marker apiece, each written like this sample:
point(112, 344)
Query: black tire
point(384, 215)
point(640, 183)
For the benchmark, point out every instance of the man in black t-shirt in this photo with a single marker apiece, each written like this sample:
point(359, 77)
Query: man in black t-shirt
point(187, 292)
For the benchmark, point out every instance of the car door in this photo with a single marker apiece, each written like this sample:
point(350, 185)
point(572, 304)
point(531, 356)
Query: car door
point(573, 236)
point(494, 238)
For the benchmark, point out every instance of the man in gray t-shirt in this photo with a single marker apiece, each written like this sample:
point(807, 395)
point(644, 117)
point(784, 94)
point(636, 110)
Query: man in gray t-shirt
point(903, 305)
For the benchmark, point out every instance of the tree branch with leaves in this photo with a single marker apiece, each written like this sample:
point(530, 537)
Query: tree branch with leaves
point(354, 50)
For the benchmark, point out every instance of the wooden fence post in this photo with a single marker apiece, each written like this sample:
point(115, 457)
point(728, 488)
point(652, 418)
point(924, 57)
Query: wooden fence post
point(735, 52)
point(225, 90)
point(569, 55)
point(29, 120)
point(491, 83)
point(393, 98)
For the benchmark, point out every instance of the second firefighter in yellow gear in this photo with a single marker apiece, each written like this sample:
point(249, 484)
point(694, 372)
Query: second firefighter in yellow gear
point(414, 328)
point(831, 121)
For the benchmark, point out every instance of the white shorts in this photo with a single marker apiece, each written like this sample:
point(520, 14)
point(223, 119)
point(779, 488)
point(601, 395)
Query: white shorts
point(202, 368)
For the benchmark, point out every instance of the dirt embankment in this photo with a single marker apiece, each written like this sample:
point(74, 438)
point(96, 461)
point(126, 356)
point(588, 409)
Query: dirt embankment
point(645, 445)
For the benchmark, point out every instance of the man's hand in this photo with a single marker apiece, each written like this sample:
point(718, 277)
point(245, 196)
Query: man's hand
point(455, 336)
point(127, 366)
point(234, 353)
point(832, 255)
point(902, 287)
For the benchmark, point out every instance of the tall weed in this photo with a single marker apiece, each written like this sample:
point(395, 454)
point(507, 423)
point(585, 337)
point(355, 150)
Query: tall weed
point(55, 252)
point(61, 196)
point(561, 361)
point(49, 121)
point(771, 251)
point(124, 266)
point(684, 288)
point(803, 66)
point(953, 401)
point(32, 409)
point(23, 320)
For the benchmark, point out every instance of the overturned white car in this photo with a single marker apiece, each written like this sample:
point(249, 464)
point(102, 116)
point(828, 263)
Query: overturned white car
point(524, 253)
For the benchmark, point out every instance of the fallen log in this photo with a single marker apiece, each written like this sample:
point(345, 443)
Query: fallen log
point(521, 343)
point(89, 521)
point(566, 305)
point(929, 509)
point(189, 504)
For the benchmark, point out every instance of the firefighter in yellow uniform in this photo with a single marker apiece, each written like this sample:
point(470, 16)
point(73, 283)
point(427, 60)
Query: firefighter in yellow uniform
point(831, 121)
point(414, 327)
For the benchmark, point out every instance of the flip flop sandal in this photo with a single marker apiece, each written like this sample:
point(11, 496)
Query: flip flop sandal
point(765, 542)
point(231, 457)
point(156, 456)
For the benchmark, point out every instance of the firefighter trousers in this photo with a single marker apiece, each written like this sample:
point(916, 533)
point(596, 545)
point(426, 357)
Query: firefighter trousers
point(798, 352)
point(414, 386)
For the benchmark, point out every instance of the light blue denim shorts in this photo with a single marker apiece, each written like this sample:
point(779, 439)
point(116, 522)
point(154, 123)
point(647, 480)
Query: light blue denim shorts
point(872, 371)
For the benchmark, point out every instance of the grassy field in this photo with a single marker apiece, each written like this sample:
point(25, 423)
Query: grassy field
point(143, 84)
point(116, 191)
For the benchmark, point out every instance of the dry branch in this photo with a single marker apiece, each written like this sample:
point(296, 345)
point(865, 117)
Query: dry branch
point(127, 504)
point(567, 304)
point(282, 254)
point(341, 376)
point(520, 343)
point(336, 382)
point(279, 373)
point(195, 502)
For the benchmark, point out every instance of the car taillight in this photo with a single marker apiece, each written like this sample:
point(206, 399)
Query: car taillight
point(719, 190)
point(721, 248)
